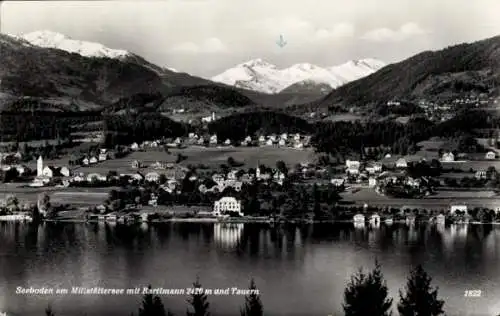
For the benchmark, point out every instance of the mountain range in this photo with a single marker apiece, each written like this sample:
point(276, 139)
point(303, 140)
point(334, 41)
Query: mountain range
point(62, 74)
point(259, 75)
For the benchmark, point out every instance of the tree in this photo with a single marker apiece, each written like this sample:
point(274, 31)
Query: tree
point(44, 206)
point(231, 162)
point(253, 305)
point(198, 301)
point(420, 298)
point(281, 166)
point(366, 294)
point(48, 311)
point(152, 306)
point(10, 175)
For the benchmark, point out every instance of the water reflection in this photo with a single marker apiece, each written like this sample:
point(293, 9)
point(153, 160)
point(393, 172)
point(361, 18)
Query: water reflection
point(228, 235)
point(316, 257)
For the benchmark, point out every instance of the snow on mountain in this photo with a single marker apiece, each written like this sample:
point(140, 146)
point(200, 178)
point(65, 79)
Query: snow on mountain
point(49, 39)
point(262, 76)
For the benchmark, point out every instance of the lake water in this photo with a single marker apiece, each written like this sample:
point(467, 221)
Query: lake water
point(299, 270)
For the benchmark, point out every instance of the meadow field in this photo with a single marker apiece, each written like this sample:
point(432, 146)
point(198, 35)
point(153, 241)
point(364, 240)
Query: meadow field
point(441, 201)
point(250, 157)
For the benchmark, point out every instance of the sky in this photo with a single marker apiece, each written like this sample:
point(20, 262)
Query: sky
point(206, 37)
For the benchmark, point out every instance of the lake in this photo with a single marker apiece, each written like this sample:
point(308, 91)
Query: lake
point(299, 270)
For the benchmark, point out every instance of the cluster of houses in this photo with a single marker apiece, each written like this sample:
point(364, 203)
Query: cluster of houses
point(376, 176)
point(450, 157)
point(442, 112)
point(296, 141)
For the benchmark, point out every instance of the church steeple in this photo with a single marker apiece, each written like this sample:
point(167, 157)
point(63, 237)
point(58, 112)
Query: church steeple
point(39, 166)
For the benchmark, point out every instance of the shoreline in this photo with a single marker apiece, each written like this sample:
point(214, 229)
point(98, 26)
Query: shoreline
point(259, 221)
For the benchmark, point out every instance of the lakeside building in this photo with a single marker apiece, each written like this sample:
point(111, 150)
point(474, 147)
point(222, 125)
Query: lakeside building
point(226, 205)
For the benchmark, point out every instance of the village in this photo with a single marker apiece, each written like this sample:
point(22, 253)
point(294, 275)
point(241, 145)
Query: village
point(163, 181)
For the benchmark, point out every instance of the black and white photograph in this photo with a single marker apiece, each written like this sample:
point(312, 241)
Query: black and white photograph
point(250, 158)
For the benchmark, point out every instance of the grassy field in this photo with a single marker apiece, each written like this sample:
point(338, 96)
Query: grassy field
point(441, 201)
point(250, 156)
point(76, 196)
point(212, 157)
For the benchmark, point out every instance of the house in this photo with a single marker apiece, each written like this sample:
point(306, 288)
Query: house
point(137, 176)
point(373, 168)
point(136, 164)
point(460, 208)
point(93, 160)
point(158, 165)
point(218, 178)
point(337, 182)
point(103, 156)
point(232, 175)
point(448, 157)
point(227, 204)
point(352, 164)
point(78, 178)
point(85, 161)
point(213, 139)
point(64, 171)
point(401, 163)
point(413, 182)
point(372, 182)
point(134, 146)
point(352, 167)
point(208, 119)
point(490, 155)
point(49, 172)
point(359, 218)
point(91, 177)
point(481, 174)
point(152, 177)
point(298, 145)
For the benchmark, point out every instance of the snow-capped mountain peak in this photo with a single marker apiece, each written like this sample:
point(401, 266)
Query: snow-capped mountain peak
point(50, 39)
point(258, 62)
point(262, 76)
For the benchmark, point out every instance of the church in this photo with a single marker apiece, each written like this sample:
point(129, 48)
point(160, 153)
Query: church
point(40, 179)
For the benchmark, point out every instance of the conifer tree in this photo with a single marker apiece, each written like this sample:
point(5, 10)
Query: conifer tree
point(152, 306)
point(420, 299)
point(253, 305)
point(198, 301)
point(48, 311)
point(366, 294)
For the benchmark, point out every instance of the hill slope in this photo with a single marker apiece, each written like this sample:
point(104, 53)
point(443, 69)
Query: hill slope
point(76, 75)
point(445, 74)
